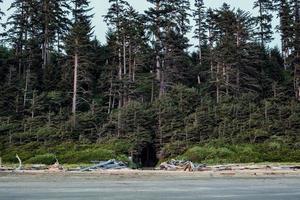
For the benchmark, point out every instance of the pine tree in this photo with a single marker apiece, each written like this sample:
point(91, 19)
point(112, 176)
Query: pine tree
point(22, 35)
point(54, 23)
point(116, 20)
point(200, 31)
point(168, 22)
point(264, 21)
point(176, 43)
point(78, 43)
point(296, 48)
point(286, 28)
point(156, 22)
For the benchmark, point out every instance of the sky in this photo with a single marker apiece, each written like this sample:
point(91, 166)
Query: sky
point(101, 7)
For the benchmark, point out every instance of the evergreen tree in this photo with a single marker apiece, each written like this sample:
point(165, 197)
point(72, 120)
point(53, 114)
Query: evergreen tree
point(264, 21)
point(200, 31)
point(286, 28)
point(176, 63)
point(116, 20)
point(156, 18)
point(169, 24)
point(54, 23)
point(296, 48)
point(78, 46)
point(22, 35)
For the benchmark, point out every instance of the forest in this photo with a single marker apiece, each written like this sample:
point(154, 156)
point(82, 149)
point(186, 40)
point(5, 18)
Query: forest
point(149, 92)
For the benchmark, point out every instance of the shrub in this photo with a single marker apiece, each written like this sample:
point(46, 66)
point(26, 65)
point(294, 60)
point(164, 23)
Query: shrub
point(47, 159)
point(86, 156)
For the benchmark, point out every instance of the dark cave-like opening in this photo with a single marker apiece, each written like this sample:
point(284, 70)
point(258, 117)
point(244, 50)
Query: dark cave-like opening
point(148, 156)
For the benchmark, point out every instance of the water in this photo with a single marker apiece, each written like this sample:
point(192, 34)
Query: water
point(55, 187)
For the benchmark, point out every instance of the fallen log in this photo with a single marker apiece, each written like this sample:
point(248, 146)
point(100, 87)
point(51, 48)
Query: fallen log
point(105, 165)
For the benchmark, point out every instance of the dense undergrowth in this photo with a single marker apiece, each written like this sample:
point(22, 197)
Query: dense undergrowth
point(217, 152)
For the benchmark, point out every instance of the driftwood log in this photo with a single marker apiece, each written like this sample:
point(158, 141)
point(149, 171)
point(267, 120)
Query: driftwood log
point(20, 163)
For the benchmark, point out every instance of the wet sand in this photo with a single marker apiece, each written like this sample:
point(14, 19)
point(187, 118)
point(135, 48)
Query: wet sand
point(146, 185)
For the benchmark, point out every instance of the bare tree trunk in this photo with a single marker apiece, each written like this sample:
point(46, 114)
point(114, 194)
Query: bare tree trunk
point(33, 104)
point(218, 83)
point(162, 82)
point(119, 121)
point(199, 79)
point(124, 57)
point(110, 94)
point(159, 128)
point(130, 70)
point(134, 69)
point(75, 86)
point(17, 103)
point(26, 87)
point(261, 27)
point(45, 48)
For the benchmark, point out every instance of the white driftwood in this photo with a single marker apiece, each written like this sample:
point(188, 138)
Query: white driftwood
point(20, 162)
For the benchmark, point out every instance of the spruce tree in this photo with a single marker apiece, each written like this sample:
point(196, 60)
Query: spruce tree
point(53, 23)
point(264, 21)
point(200, 30)
point(78, 46)
point(176, 64)
point(116, 20)
point(156, 19)
point(285, 28)
point(296, 48)
point(168, 22)
point(22, 34)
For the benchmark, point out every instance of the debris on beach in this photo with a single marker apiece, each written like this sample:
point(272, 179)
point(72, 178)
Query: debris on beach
point(20, 167)
point(106, 165)
point(181, 165)
point(38, 167)
point(56, 167)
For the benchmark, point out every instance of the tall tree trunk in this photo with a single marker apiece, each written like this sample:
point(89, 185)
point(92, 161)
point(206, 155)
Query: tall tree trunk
point(110, 94)
point(261, 26)
point(46, 35)
point(134, 69)
point(218, 83)
point(75, 86)
point(130, 71)
point(162, 82)
point(32, 104)
point(159, 67)
point(124, 57)
point(26, 87)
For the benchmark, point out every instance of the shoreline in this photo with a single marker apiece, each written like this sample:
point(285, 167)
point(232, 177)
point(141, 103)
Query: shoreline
point(128, 173)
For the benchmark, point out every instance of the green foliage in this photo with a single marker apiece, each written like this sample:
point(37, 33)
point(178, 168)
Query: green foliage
point(242, 153)
point(232, 101)
point(47, 159)
point(86, 156)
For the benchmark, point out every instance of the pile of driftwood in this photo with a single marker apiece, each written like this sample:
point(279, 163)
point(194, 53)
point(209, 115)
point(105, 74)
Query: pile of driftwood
point(106, 165)
point(181, 165)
